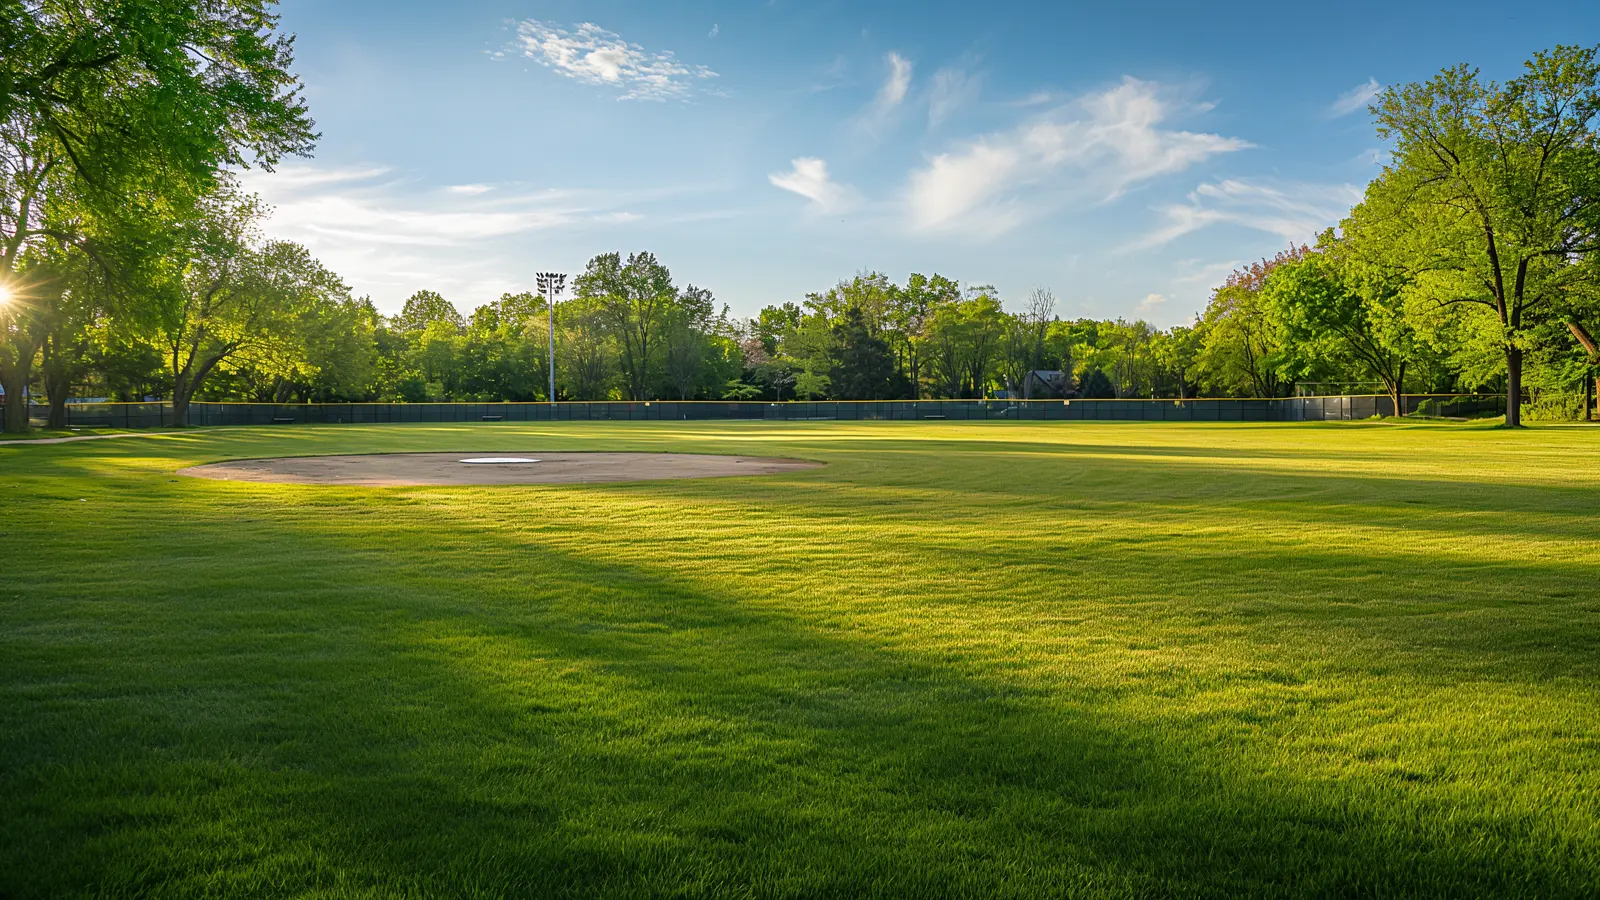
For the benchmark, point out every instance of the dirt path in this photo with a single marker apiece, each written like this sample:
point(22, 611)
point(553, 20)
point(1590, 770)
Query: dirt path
point(416, 469)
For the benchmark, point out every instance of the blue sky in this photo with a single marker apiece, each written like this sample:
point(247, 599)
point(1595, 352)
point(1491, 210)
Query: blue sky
point(1124, 155)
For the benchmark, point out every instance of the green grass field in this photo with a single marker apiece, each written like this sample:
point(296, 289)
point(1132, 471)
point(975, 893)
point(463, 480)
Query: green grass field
point(1064, 659)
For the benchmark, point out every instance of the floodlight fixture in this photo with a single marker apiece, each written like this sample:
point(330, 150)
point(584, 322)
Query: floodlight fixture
point(551, 284)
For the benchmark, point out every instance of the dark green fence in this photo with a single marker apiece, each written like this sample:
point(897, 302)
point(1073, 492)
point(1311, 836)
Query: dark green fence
point(1289, 409)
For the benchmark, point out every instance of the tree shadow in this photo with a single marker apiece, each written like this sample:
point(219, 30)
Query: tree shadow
point(419, 693)
point(598, 728)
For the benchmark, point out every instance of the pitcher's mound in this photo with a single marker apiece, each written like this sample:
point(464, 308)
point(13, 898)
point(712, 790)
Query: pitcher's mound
point(413, 469)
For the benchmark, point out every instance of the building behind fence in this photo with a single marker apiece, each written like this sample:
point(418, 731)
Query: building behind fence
point(1286, 409)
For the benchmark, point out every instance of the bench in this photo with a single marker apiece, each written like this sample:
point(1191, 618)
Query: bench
point(283, 420)
point(493, 418)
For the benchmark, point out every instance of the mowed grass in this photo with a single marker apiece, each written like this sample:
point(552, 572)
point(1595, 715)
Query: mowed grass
point(981, 659)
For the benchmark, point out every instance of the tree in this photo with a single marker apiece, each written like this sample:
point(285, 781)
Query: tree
point(965, 337)
point(1025, 336)
point(122, 106)
point(685, 359)
point(773, 324)
point(233, 298)
point(1242, 345)
point(808, 353)
point(870, 294)
point(810, 385)
point(425, 308)
point(1491, 203)
point(864, 369)
point(504, 354)
point(21, 334)
point(144, 88)
point(635, 298)
point(1096, 386)
point(695, 352)
point(68, 324)
point(1332, 310)
point(912, 307)
point(585, 366)
point(1176, 352)
point(1126, 356)
point(330, 354)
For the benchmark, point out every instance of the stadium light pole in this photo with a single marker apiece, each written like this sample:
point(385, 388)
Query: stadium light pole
point(551, 284)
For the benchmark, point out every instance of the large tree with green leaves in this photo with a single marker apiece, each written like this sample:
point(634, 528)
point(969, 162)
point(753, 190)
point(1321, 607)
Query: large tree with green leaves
point(911, 312)
point(424, 309)
point(965, 337)
point(232, 299)
point(1242, 346)
point(1336, 311)
point(637, 301)
point(119, 105)
point(1491, 203)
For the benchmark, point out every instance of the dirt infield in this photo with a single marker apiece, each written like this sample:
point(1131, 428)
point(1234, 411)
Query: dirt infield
point(417, 469)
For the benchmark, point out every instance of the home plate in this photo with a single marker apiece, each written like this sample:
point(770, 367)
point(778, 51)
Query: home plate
point(497, 460)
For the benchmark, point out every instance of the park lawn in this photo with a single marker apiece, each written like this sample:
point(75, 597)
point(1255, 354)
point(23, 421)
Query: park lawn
point(962, 659)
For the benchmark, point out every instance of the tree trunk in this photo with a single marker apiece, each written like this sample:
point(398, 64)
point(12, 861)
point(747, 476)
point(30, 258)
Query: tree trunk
point(1513, 387)
point(57, 387)
point(14, 381)
point(16, 421)
point(180, 409)
point(1397, 390)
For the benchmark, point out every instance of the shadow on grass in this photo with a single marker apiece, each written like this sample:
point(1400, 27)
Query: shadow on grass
point(602, 730)
point(375, 698)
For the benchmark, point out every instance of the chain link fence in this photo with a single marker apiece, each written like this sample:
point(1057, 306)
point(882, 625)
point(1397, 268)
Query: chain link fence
point(1287, 409)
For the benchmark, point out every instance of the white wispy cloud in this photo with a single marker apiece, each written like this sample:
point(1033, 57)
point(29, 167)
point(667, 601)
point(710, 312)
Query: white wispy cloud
point(1092, 148)
point(300, 177)
point(808, 177)
point(1294, 211)
point(1356, 98)
point(715, 30)
point(593, 55)
point(388, 235)
point(1198, 275)
point(895, 87)
point(953, 87)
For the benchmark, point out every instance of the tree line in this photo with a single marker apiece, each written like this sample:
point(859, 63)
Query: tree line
point(133, 266)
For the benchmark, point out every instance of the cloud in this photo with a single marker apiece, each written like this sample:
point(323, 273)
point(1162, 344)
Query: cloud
point(1095, 147)
point(952, 88)
point(1206, 276)
point(1150, 304)
point(715, 30)
point(1356, 98)
point(301, 177)
point(1294, 211)
point(890, 95)
point(894, 90)
point(809, 178)
point(388, 236)
point(593, 55)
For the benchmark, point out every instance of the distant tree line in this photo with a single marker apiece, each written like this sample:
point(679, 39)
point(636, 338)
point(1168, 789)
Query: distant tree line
point(132, 266)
